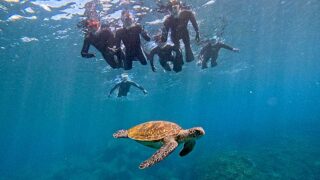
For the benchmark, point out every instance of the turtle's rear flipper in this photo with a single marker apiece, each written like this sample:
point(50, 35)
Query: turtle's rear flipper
point(187, 147)
point(163, 152)
point(121, 134)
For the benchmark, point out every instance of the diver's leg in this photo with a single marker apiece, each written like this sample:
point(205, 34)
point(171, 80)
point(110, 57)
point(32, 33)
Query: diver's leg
point(121, 58)
point(177, 67)
point(165, 65)
point(176, 42)
point(142, 57)
point(186, 41)
point(179, 57)
point(177, 62)
point(204, 62)
point(128, 62)
point(109, 58)
point(214, 61)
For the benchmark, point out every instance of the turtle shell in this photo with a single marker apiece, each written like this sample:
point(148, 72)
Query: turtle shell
point(153, 130)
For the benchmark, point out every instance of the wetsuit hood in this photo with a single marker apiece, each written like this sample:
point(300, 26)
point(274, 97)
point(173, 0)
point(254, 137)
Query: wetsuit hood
point(124, 77)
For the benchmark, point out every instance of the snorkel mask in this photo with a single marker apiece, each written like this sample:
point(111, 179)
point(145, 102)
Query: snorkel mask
point(175, 10)
point(93, 25)
point(126, 19)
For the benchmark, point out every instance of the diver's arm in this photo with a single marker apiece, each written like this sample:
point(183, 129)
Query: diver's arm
point(144, 34)
point(165, 30)
point(114, 88)
point(195, 25)
point(225, 46)
point(150, 57)
point(177, 50)
point(118, 39)
point(85, 49)
point(200, 56)
point(194, 22)
point(139, 87)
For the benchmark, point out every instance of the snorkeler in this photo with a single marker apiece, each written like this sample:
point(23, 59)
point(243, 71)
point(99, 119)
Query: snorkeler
point(124, 86)
point(130, 36)
point(92, 10)
point(167, 53)
point(178, 22)
point(211, 51)
point(101, 37)
point(167, 7)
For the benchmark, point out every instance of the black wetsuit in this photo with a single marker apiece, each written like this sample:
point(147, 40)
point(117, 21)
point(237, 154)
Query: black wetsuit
point(165, 54)
point(179, 30)
point(102, 40)
point(131, 40)
point(124, 87)
point(211, 51)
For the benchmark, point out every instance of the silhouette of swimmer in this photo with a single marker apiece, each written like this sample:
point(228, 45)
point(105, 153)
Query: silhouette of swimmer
point(130, 36)
point(103, 40)
point(211, 51)
point(177, 22)
point(165, 53)
point(91, 9)
point(167, 7)
point(91, 12)
point(124, 86)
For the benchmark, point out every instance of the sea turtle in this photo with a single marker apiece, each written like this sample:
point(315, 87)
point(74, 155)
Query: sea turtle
point(162, 135)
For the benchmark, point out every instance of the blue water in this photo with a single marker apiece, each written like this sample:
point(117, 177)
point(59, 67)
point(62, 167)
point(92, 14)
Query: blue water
point(260, 108)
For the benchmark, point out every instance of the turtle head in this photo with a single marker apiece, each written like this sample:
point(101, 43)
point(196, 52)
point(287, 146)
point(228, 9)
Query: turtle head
point(195, 132)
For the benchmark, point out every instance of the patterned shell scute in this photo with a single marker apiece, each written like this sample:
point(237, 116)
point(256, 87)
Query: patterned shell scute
point(153, 130)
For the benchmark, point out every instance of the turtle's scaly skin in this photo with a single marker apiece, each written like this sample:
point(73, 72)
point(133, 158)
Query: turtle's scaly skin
point(153, 130)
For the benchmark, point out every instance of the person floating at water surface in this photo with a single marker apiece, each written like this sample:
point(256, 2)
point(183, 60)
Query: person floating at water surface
point(101, 37)
point(177, 22)
point(166, 7)
point(211, 51)
point(124, 86)
point(130, 36)
point(165, 52)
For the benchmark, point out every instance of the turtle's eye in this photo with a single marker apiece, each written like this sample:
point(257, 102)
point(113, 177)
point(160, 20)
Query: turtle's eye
point(197, 133)
point(194, 133)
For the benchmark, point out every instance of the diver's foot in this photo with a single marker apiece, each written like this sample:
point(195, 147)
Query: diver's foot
point(214, 64)
point(189, 59)
point(177, 68)
point(189, 56)
point(204, 66)
point(120, 65)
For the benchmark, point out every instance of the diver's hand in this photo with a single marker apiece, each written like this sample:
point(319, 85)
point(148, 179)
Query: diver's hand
point(199, 63)
point(91, 55)
point(88, 55)
point(145, 91)
point(109, 96)
point(197, 37)
point(114, 50)
point(153, 69)
point(235, 49)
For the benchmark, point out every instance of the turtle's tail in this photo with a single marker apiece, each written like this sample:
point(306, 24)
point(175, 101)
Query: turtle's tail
point(121, 134)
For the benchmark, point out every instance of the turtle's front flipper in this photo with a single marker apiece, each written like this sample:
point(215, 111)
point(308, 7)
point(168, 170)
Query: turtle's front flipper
point(121, 134)
point(168, 147)
point(187, 147)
